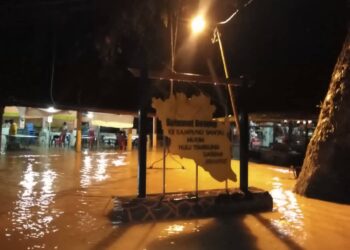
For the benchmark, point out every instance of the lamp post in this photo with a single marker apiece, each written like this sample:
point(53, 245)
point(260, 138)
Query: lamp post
point(198, 25)
point(217, 38)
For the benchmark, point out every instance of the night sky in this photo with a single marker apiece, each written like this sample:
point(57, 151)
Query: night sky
point(287, 50)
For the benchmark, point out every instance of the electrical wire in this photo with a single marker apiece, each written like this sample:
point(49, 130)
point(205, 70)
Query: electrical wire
point(235, 13)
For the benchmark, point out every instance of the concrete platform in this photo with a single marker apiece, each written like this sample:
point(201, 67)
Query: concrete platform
point(210, 203)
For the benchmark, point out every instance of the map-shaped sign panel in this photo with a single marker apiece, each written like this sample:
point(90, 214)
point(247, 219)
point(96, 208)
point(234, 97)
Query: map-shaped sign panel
point(193, 134)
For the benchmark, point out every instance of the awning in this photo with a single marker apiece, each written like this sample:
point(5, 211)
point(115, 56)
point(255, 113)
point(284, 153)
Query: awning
point(28, 112)
point(38, 113)
point(112, 121)
point(11, 111)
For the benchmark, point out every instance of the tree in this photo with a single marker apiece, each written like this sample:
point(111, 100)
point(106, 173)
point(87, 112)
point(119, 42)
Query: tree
point(326, 171)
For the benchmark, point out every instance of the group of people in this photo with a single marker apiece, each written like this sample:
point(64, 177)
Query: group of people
point(63, 138)
point(121, 139)
point(11, 132)
point(12, 127)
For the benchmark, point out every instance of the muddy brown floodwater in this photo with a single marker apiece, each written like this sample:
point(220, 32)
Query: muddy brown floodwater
point(57, 199)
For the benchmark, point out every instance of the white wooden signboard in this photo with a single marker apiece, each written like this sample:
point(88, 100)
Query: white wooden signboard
point(193, 134)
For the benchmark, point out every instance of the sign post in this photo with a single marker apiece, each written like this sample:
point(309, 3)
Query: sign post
point(164, 165)
point(196, 181)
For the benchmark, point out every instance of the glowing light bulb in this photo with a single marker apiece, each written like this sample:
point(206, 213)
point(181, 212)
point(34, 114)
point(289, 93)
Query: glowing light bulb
point(198, 24)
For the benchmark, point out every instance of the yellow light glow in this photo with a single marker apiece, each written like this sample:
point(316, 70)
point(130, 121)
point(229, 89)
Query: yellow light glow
point(198, 24)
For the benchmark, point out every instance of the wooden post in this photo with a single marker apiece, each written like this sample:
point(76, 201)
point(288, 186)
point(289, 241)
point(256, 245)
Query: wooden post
point(129, 144)
point(142, 154)
point(244, 153)
point(78, 137)
point(154, 137)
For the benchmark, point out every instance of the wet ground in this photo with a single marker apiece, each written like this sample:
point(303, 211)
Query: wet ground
point(58, 199)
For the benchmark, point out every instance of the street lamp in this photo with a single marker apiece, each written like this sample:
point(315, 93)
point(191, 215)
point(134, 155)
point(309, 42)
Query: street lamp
point(198, 25)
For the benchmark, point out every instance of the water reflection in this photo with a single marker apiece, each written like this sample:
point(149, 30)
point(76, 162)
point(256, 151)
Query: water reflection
point(95, 165)
point(36, 189)
point(31, 157)
point(291, 220)
point(174, 229)
point(281, 170)
point(32, 215)
point(85, 178)
point(100, 173)
point(93, 170)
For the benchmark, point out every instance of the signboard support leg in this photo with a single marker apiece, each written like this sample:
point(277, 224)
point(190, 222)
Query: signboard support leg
point(142, 154)
point(196, 181)
point(164, 165)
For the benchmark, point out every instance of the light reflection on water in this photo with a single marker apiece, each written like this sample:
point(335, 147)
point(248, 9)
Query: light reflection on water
point(100, 173)
point(94, 167)
point(85, 178)
point(171, 230)
point(93, 170)
point(174, 229)
point(31, 157)
point(119, 162)
point(32, 215)
point(291, 221)
point(281, 170)
point(42, 216)
point(37, 214)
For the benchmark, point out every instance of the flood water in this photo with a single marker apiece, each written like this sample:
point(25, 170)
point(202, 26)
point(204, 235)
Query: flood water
point(58, 199)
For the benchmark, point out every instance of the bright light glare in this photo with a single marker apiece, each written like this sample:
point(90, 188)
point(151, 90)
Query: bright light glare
point(52, 110)
point(49, 119)
point(198, 24)
point(90, 115)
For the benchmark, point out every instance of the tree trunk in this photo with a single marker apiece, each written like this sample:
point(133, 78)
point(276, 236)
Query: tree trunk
point(326, 168)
